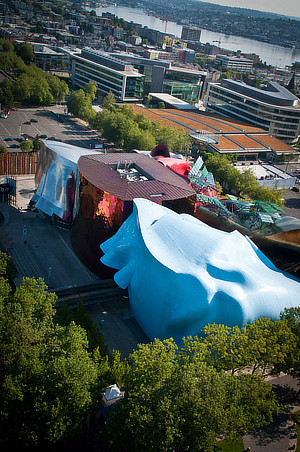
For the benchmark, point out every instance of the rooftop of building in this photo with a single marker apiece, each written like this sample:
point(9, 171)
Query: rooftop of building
point(229, 135)
point(174, 102)
point(106, 60)
point(133, 175)
point(234, 58)
point(264, 171)
point(271, 93)
point(67, 151)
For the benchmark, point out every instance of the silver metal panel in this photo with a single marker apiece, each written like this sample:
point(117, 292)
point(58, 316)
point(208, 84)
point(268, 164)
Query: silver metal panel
point(57, 179)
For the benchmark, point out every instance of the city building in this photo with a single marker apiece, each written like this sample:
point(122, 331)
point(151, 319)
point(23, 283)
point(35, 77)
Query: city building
point(110, 74)
point(270, 107)
point(49, 57)
point(191, 33)
point(162, 77)
point(235, 62)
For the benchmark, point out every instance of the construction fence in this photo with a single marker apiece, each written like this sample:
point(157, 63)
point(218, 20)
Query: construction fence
point(17, 163)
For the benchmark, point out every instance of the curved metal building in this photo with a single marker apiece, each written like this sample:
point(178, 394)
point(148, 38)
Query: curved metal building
point(108, 185)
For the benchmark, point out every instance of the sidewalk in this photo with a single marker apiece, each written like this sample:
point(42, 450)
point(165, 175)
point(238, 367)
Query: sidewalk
point(280, 435)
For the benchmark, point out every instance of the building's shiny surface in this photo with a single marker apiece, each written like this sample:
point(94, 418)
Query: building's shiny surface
point(108, 185)
point(57, 180)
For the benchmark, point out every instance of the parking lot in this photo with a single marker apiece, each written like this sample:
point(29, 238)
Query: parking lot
point(48, 123)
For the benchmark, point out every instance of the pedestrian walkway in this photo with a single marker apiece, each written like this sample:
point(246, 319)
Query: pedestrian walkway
point(40, 249)
point(280, 435)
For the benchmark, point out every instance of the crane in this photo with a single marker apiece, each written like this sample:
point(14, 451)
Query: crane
point(219, 43)
point(166, 24)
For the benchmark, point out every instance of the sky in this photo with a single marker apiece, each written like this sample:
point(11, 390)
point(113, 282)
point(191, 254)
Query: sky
point(286, 7)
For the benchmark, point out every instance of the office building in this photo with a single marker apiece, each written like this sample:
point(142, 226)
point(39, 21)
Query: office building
point(191, 33)
point(162, 77)
point(236, 63)
point(110, 74)
point(270, 107)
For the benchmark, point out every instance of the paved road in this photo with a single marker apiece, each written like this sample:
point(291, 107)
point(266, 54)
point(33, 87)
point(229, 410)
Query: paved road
point(51, 122)
point(45, 251)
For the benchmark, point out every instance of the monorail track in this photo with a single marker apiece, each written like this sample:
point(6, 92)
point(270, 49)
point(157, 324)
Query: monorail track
point(88, 294)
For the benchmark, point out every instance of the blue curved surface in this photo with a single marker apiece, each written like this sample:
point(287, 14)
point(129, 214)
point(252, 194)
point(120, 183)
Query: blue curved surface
point(182, 274)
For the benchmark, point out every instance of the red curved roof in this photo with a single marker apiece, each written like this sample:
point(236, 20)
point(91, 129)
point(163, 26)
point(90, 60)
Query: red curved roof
point(159, 184)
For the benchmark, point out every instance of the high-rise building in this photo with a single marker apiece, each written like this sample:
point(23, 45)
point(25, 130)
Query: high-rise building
point(191, 33)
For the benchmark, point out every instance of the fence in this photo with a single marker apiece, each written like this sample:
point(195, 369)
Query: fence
point(16, 163)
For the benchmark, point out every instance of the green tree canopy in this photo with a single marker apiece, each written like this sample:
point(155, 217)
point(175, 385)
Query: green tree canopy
point(46, 372)
point(8, 270)
point(25, 51)
point(80, 105)
point(26, 146)
point(91, 89)
point(243, 183)
point(173, 401)
point(109, 100)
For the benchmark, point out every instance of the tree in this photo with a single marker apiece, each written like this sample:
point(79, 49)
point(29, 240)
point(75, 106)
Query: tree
point(80, 105)
point(26, 146)
point(81, 317)
point(292, 364)
point(3, 149)
point(59, 89)
point(263, 344)
point(243, 183)
point(109, 100)
point(7, 92)
point(175, 401)
point(46, 373)
point(161, 105)
point(36, 144)
point(25, 51)
point(8, 270)
point(91, 89)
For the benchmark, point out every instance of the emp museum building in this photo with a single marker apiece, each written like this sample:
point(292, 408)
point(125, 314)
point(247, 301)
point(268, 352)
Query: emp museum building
point(92, 193)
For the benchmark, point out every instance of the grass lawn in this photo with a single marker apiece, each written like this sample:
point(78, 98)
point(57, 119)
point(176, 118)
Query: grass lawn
point(235, 445)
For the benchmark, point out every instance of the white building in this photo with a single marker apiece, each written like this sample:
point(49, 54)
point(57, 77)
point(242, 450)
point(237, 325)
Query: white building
point(237, 63)
point(270, 107)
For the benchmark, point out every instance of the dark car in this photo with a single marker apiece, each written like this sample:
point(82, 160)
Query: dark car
point(14, 146)
point(52, 138)
point(27, 122)
point(43, 136)
point(33, 120)
point(8, 139)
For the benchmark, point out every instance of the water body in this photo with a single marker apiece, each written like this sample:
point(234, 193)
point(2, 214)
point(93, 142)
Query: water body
point(271, 54)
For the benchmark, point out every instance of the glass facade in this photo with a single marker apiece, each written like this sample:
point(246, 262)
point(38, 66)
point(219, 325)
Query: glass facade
point(185, 91)
point(183, 85)
point(107, 79)
point(281, 122)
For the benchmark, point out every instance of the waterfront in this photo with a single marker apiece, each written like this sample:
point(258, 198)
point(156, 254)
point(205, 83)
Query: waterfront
point(271, 54)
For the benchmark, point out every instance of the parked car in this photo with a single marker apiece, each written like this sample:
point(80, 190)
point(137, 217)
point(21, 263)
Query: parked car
point(43, 136)
point(33, 120)
point(27, 122)
point(14, 146)
point(8, 139)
